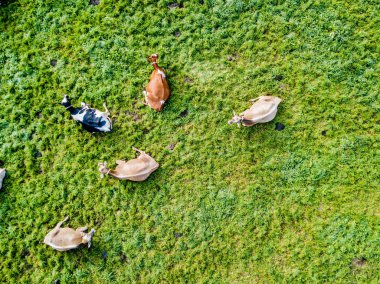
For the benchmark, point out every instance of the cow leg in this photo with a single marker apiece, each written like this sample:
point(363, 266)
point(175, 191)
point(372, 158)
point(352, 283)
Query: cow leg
point(81, 229)
point(141, 152)
point(253, 100)
point(60, 223)
point(84, 106)
point(107, 113)
point(58, 226)
point(146, 98)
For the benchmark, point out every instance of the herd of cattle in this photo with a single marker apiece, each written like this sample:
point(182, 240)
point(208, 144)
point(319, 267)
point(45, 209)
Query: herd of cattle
point(157, 92)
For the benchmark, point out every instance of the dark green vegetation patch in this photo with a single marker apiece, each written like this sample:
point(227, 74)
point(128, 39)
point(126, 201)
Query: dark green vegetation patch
point(295, 200)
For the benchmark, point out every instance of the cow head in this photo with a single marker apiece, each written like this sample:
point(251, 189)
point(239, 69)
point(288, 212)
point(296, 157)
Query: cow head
point(236, 119)
point(66, 101)
point(86, 239)
point(103, 169)
point(153, 58)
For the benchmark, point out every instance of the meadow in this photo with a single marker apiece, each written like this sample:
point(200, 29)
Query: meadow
point(228, 204)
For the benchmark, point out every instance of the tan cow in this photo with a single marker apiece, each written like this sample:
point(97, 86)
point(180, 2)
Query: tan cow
point(63, 239)
point(263, 109)
point(157, 91)
point(137, 169)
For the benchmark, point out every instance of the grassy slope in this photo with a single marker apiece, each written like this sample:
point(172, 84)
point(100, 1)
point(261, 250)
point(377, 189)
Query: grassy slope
point(228, 204)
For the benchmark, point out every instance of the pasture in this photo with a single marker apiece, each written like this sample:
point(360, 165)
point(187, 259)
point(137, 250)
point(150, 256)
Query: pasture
point(227, 205)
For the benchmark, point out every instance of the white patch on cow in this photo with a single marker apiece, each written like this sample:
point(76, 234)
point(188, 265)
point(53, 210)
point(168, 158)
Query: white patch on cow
point(64, 100)
point(107, 127)
point(161, 73)
point(79, 116)
point(146, 96)
point(84, 105)
point(98, 113)
point(162, 102)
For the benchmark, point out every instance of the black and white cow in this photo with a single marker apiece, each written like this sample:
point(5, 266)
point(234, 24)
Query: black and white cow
point(91, 119)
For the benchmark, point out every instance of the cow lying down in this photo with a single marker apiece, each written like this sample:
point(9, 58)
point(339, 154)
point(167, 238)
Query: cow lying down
point(63, 239)
point(91, 119)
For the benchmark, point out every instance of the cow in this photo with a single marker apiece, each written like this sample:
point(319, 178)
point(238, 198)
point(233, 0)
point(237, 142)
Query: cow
point(263, 109)
point(91, 119)
point(137, 169)
point(157, 91)
point(63, 239)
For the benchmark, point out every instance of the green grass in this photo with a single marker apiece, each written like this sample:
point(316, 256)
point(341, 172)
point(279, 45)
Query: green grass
point(228, 204)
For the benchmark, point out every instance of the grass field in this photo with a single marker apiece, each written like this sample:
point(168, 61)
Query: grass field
point(228, 204)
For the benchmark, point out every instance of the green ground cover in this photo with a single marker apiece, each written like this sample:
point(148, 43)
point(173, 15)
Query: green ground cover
point(248, 205)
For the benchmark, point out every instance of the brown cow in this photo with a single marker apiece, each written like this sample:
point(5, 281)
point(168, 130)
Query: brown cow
point(157, 91)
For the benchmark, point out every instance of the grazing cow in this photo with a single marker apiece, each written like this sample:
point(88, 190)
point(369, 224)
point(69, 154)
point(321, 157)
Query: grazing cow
point(263, 109)
point(2, 176)
point(91, 119)
point(157, 91)
point(63, 239)
point(136, 170)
